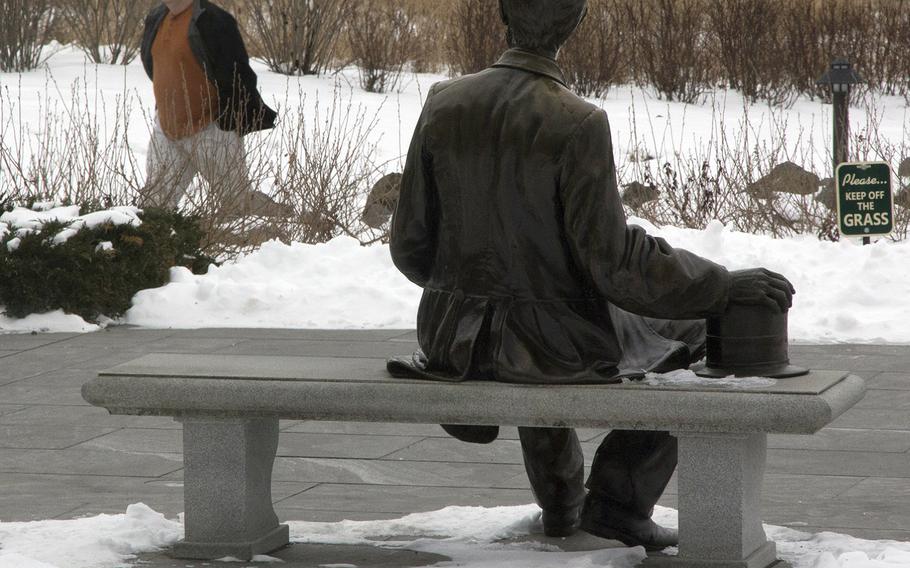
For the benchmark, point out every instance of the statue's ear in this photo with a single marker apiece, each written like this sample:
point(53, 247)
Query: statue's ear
point(502, 13)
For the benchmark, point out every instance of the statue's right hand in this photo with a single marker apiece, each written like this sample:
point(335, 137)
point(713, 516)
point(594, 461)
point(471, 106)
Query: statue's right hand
point(759, 286)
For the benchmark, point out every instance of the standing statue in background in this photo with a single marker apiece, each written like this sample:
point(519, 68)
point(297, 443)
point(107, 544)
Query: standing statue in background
point(206, 100)
point(510, 219)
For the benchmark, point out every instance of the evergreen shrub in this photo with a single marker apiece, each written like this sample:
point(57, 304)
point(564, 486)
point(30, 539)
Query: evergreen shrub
point(85, 277)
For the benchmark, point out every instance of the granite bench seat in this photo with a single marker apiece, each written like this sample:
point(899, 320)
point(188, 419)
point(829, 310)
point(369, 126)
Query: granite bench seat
point(230, 405)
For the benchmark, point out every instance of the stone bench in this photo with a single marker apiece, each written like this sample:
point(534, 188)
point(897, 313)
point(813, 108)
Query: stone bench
point(230, 405)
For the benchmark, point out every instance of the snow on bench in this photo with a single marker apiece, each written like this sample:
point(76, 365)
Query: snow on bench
point(230, 405)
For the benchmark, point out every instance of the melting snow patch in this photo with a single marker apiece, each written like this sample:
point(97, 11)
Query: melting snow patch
point(104, 541)
point(686, 378)
point(50, 322)
point(472, 537)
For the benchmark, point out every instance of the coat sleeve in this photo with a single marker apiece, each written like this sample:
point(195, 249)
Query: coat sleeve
point(414, 225)
point(633, 270)
point(235, 52)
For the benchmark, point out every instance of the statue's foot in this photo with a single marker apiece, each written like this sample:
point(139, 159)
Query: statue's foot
point(472, 434)
point(616, 523)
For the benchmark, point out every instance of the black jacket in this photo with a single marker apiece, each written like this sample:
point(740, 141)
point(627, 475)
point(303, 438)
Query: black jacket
point(216, 42)
point(511, 221)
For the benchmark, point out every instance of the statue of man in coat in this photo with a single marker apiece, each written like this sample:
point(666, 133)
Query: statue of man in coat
point(510, 220)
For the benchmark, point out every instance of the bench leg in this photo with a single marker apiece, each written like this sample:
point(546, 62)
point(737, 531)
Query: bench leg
point(720, 481)
point(227, 488)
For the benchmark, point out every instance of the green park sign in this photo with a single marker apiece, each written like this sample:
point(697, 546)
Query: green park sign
point(864, 202)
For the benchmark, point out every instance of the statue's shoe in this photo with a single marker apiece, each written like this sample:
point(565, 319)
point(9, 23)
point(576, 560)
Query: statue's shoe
point(560, 524)
point(615, 523)
point(472, 434)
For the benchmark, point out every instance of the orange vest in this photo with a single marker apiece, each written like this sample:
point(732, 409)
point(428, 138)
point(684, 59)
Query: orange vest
point(185, 97)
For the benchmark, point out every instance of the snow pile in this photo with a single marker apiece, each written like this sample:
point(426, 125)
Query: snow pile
point(845, 292)
point(339, 284)
point(54, 322)
point(93, 542)
point(473, 537)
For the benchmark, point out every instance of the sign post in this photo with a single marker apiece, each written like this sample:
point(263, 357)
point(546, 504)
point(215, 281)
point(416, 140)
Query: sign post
point(840, 78)
point(864, 201)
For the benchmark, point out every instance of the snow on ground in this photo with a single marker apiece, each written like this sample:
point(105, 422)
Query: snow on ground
point(845, 292)
point(473, 537)
point(92, 542)
point(334, 285)
point(51, 322)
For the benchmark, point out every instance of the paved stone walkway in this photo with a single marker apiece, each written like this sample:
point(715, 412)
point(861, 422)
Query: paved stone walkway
point(61, 458)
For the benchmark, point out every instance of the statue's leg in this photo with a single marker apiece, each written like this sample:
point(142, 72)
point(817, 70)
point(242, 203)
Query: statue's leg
point(631, 469)
point(657, 345)
point(555, 466)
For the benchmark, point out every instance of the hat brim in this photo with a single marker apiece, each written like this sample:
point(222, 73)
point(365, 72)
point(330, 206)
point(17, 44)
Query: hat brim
point(778, 371)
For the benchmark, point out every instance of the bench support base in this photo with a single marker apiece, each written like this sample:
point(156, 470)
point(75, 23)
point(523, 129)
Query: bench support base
point(227, 488)
point(720, 481)
point(245, 551)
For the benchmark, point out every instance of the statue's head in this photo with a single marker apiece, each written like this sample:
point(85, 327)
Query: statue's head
point(542, 26)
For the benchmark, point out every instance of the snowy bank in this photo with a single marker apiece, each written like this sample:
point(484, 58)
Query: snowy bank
point(845, 292)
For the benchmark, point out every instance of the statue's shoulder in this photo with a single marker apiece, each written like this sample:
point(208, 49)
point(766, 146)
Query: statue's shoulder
point(558, 105)
point(453, 85)
point(574, 105)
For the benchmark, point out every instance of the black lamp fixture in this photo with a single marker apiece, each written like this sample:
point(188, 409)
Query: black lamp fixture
point(840, 77)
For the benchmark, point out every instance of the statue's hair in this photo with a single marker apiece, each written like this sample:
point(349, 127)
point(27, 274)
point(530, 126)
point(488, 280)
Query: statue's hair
point(542, 25)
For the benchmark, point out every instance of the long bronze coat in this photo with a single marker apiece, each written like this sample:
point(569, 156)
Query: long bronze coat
point(511, 221)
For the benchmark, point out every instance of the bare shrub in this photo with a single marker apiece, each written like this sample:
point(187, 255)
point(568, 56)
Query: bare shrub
point(594, 59)
point(326, 171)
point(297, 37)
point(26, 26)
point(669, 42)
point(799, 52)
point(310, 176)
point(899, 39)
point(748, 34)
point(888, 52)
point(380, 36)
point(709, 182)
point(317, 166)
point(78, 152)
point(108, 31)
point(429, 19)
point(477, 36)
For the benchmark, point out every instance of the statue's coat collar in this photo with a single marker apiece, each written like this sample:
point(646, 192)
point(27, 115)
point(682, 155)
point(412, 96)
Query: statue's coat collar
point(516, 58)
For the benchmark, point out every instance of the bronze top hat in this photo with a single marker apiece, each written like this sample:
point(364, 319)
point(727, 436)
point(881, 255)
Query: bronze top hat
point(748, 341)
